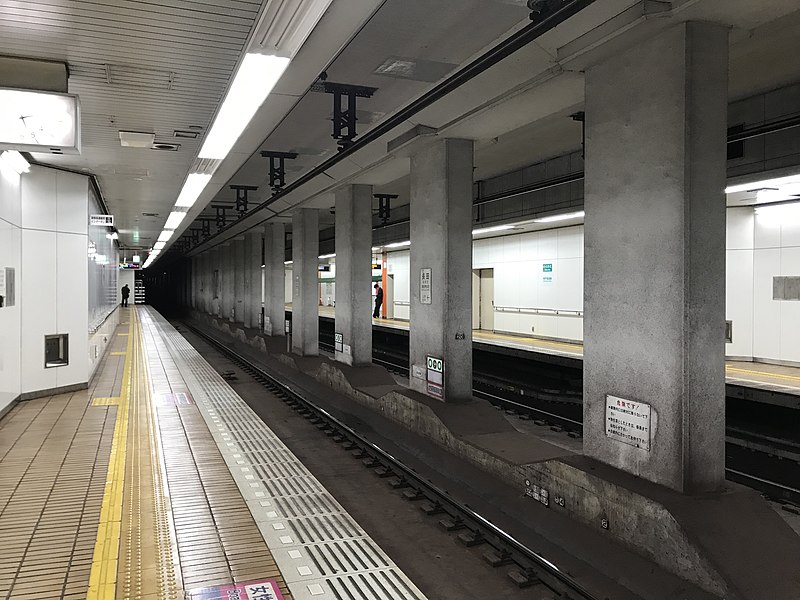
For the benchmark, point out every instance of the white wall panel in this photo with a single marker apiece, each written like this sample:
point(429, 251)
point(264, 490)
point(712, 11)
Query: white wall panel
point(790, 309)
point(570, 242)
point(38, 296)
point(767, 323)
point(548, 244)
point(72, 297)
point(767, 233)
point(790, 236)
point(71, 206)
point(10, 250)
point(569, 287)
point(739, 301)
point(739, 228)
point(39, 199)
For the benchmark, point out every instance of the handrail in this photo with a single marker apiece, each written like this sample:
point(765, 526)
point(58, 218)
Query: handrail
point(539, 311)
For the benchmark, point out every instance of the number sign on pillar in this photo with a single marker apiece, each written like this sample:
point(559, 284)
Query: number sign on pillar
point(435, 377)
point(425, 286)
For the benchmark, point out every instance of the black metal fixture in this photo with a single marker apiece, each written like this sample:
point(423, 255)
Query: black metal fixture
point(538, 9)
point(195, 236)
point(222, 217)
point(385, 206)
point(241, 197)
point(581, 116)
point(205, 225)
point(344, 109)
point(277, 168)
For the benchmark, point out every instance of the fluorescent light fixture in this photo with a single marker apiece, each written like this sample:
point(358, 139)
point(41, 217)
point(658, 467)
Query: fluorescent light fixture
point(112, 236)
point(254, 80)
point(376, 248)
point(159, 245)
point(137, 258)
point(764, 184)
point(492, 229)
point(16, 161)
point(287, 262)
point(192, 188)
point(135, 139)
point(165, 236)
point(399, 244)
point(36, 121)
point(285, 25)
point(174, 219)
point(564, 217)
point(326, 255)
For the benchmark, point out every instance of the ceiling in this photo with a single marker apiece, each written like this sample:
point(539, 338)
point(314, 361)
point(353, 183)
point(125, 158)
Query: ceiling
point(163, 68)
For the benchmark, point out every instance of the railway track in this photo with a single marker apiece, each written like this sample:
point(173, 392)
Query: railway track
point(762, 462)
point(527, 568)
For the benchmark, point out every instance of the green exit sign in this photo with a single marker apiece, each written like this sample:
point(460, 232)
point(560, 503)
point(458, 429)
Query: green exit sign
point(547, 268)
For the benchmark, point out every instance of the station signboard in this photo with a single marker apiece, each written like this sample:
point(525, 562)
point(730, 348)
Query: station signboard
point(425, 286)
point(101, 220)
point(628, 421)
point(338, 341)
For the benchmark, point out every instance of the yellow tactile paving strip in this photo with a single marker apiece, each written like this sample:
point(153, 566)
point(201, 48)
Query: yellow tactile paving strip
point(54, 454)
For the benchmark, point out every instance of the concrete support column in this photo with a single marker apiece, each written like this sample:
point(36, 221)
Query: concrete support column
point(354, 274)
point(305, 293)
point(227, 284)
point(239, 269)
point(274, 279)
point(441, 252)
point(254, 258)
point(195, 299)
point(654, 291)
point(206, 282)
point(216, 281)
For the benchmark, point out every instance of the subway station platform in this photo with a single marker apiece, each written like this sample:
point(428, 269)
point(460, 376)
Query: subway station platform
point(160, 482)
point(757, 375)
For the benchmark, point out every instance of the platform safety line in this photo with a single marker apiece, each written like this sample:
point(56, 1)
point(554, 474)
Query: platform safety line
point(763, 373)
point(103, 575)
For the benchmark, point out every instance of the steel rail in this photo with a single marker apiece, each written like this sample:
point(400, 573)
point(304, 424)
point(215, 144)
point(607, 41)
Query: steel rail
point(544, 570)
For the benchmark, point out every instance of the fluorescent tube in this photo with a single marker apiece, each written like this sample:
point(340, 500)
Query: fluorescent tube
point(326, 256)
point(174, 219)
point(165, 235)
point(192, 188)
point(254, 80)
point(775, 183)
point(398, 244)
point(492, 229)
point(564, 217)
point(159, 245)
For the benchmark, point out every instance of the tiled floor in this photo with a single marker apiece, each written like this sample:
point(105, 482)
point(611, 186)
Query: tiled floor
point(159, 482)
point(54, 455)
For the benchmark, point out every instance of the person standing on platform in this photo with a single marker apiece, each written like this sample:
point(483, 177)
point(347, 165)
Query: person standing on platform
point(126, 292)
point(378, 301)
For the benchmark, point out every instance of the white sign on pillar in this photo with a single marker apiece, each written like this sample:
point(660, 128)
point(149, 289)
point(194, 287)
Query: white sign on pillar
point(628, 421)
point(425, 286)
point(435, 377)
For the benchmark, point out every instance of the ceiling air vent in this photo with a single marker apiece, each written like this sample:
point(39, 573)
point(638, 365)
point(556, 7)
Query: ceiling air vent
point(149, 215)
point(185, 134)
point(165, 146)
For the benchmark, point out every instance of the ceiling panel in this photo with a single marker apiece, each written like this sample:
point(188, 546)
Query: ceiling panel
point(152, 67)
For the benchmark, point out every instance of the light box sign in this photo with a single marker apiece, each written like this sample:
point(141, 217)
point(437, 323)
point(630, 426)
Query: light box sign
point(101, 220)
point(33, 121)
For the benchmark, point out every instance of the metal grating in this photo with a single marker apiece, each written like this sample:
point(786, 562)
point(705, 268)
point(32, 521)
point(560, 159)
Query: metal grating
point(321, 551)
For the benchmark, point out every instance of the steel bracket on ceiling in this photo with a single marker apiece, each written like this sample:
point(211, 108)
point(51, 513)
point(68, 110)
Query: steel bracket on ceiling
point(205, 225)
point(222, 216)
point(385, 206)
point(277, 168)
point(241, 196)
point(195, 236)
point(344, 109)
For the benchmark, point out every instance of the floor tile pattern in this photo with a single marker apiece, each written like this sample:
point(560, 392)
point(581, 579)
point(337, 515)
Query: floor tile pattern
point(322, 551)
point(54, 454)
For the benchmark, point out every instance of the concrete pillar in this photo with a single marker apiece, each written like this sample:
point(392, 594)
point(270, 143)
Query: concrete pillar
point(305, 293)
point(254, 258)
point(354, 274)
point(227, 285)
point(274, 279)
point(441, 252)
point(205, 261)
point(239, 270)
point(654, 291)
point(216, 281)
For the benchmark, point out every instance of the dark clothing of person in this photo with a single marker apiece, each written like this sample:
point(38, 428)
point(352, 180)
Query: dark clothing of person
point(126, 292)
point(378, 301)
